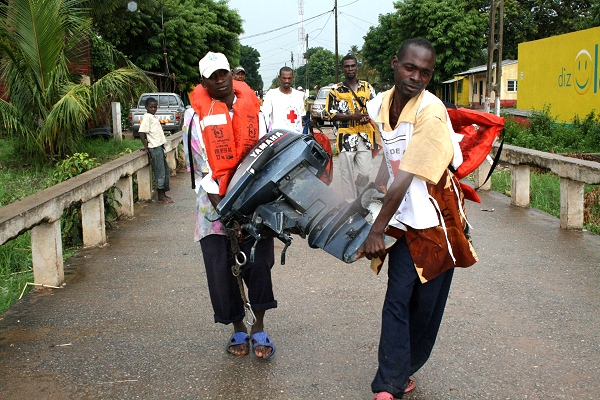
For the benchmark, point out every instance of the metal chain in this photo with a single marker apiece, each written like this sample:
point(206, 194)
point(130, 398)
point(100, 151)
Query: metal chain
point(236, 270)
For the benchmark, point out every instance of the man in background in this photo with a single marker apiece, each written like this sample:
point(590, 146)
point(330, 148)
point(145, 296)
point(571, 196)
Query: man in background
point(239, 73)
point(345, 105)
point(284, 106)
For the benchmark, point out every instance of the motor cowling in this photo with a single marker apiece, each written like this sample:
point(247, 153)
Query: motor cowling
point(276, 192)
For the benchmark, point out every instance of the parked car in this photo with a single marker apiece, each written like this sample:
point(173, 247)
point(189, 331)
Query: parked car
point(317, 111)
point(170, 112)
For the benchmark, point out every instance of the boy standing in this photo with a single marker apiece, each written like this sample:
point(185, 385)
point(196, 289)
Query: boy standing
point(153, 138)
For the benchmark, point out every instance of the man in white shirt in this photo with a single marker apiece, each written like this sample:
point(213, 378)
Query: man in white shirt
point(284, 106)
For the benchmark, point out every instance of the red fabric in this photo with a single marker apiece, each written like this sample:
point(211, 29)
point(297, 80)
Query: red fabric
point(325, 143)
point(227, 144)
point(476, 143)
point(469, 193)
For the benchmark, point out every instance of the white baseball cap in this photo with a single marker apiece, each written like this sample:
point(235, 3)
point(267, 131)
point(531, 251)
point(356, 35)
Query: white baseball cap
point(212, 62)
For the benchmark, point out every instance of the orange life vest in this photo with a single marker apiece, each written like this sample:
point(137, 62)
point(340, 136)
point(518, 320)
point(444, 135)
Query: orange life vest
point(228, 142)
point(476, 143)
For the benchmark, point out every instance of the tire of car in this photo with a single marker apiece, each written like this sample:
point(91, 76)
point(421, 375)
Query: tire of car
point(136, 134)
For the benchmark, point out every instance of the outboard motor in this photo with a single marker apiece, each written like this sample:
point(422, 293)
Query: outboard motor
point(276, 192)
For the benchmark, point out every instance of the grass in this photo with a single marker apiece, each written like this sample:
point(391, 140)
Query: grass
point(15, 269)
point(21, 178)
point(545, 195)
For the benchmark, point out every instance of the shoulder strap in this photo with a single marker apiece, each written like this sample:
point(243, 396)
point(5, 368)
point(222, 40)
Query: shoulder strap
point(190, 155)
point(360, 103)
point(495, 160)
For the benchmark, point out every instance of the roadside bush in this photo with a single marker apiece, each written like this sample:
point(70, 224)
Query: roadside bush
point(545, 134)
point(589, 128)
point(73, 166)
point(71, 226)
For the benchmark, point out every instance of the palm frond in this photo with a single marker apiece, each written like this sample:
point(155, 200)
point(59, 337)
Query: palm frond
point(66, 120)
point(124, 85)
point(12, 122)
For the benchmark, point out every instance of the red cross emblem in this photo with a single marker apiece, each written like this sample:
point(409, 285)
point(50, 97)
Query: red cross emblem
point(292, 116)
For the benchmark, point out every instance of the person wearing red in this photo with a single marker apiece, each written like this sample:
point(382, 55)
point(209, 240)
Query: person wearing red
point(227, 123)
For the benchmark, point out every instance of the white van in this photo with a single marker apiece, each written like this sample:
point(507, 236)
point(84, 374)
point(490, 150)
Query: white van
point(317, 112)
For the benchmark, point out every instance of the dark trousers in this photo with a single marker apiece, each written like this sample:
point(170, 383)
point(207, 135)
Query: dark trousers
point(411, 316)
point(223, 285)
point(161, 169)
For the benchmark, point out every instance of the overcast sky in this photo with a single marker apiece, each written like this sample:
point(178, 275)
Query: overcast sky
point(260, 16)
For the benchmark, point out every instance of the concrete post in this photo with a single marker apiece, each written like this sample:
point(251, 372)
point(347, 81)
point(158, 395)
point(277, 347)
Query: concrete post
point(480, 174)
point(144, 179)
point(46, 254)
point(92, 222)
point(116, 121)
point(519, 185)
point(571, 204)
point(124, 195)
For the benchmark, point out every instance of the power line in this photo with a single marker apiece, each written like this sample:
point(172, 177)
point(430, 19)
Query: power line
point(348, 15)
point(283, 27)
point(352, 22)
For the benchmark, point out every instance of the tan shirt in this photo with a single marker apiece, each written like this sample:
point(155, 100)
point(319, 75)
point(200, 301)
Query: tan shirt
point(153, 130)
point(430, 150)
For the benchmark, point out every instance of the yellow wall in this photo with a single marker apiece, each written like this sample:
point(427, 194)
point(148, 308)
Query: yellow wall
point(462, 99)
point(563, 72)
point(509, 72)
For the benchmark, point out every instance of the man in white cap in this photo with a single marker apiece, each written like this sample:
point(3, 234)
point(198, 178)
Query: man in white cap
point(239, 73)
point(284, 106)
point(223, 109)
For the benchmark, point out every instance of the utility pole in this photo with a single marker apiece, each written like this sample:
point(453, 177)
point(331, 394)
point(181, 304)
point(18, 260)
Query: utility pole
point(495, 48)
point(292, 60)
point(306, 70)
point(162, 26)
point(337, 66)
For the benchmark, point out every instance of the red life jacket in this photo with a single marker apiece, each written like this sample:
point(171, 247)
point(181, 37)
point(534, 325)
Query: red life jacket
point(476, 143)
point(226, 144)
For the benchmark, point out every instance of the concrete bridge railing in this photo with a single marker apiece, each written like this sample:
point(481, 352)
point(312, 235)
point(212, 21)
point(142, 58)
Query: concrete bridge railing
point(41, 212)
point(573, 173)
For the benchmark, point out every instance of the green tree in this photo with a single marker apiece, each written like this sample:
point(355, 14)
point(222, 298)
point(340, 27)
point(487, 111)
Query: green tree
point(49, 104)
point(526, 20)
point(380, 47)
point(321, 66)
point(250, 60)
point(184, 29)
point(455, 29)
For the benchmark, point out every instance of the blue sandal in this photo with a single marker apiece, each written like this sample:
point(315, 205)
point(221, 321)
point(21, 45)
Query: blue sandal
point(262, 339)
point(237, 339)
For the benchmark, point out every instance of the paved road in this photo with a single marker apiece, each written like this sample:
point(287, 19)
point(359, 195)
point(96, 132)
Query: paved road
point(134, 320)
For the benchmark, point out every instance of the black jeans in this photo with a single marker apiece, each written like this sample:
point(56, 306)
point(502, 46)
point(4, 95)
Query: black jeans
point(222, 284)
point(411, 316)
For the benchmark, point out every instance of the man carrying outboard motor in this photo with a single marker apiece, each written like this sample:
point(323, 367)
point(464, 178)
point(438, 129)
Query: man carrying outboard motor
point(224, 124)
point(424, 205)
